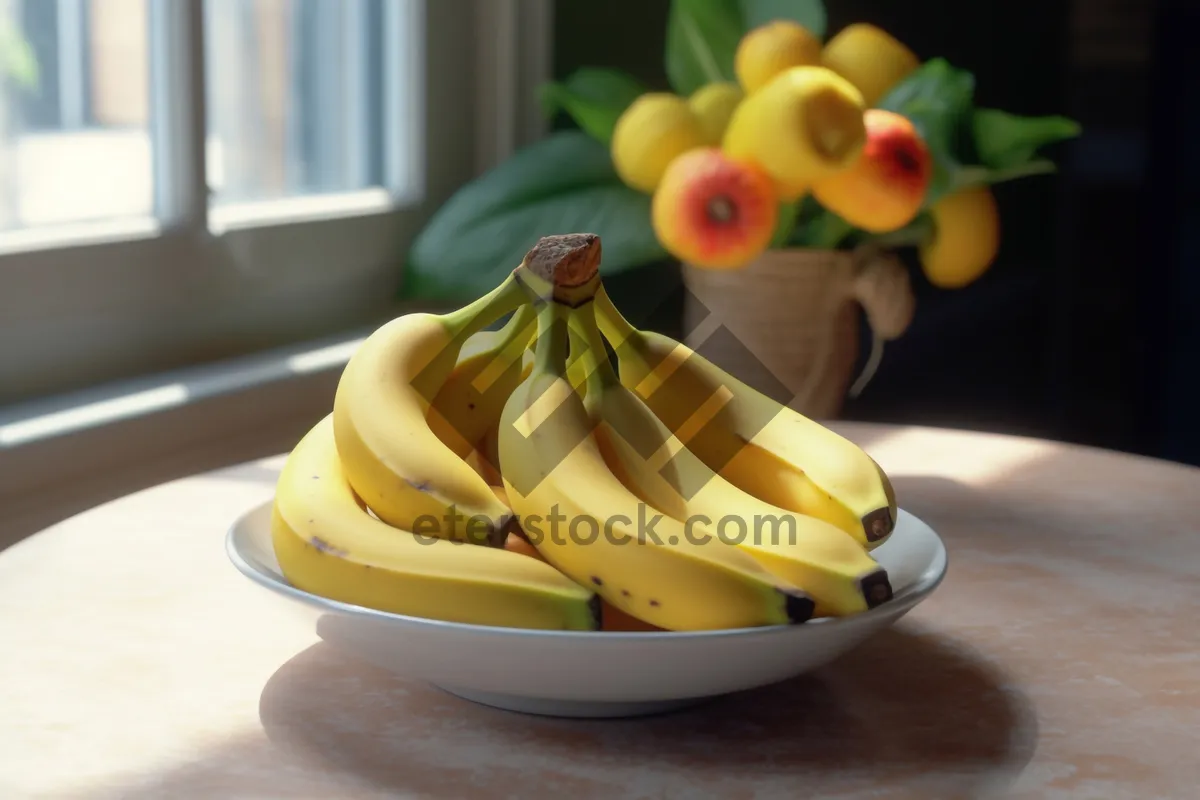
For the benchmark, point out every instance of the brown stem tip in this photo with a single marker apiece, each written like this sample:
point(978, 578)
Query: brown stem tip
point(566, 261)
point(799, 606)
point(878, 525)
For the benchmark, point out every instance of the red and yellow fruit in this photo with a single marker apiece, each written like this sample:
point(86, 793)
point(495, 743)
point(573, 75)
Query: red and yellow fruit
point(885, 188)
point(965, 240)
point(769, 49)
point(714, 212)
point(870, 58)
point(655, 129)
point(713, 106)
point(804, 125)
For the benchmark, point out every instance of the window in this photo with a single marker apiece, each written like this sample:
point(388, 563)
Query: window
point(300, 106)
point(186, 179)
point(74, 128)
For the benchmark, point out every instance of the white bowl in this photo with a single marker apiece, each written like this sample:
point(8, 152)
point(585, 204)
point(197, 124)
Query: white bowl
point(593, 674)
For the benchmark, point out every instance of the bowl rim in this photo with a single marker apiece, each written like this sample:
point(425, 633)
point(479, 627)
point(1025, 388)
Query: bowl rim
point(903, 601)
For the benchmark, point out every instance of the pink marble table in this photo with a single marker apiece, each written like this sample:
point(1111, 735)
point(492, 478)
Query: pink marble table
point(1059, 659)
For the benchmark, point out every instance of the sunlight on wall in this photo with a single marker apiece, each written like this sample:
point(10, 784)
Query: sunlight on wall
point(86, 416)
point(324, 358)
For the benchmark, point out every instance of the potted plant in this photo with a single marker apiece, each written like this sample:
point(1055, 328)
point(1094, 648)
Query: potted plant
point(784, 170)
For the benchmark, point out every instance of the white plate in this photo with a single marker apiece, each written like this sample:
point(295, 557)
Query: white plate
point(593, 674)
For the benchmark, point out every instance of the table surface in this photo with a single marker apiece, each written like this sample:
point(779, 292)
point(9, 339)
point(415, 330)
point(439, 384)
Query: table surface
point(1058, 659)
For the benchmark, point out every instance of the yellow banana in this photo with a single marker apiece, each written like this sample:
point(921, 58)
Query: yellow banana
point(485, 457)
point(489, 367)
point(585, 522)
point(327, 544)
point(757, 444)
point(393, 459)
point(804, 551)
point(577, 367)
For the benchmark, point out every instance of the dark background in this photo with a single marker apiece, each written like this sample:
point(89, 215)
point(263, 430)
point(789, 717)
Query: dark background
point(1083, 330)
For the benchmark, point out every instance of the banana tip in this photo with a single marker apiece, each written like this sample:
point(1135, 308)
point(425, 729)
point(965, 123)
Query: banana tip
point(876, 588)
point(596, 607)
point(878, 525)
point(799, 607)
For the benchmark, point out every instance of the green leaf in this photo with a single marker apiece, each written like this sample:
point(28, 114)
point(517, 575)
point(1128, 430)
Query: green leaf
point(702, 37)
point(1004, 140)
point(827, 231)
point(593, 98)
point(785, 226)
point(938, 99)
point(564, 183)
point(911, 235)
point(809, 13)
point(976, 174)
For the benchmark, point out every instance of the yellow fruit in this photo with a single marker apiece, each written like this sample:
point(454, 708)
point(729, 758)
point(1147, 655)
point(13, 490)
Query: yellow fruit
point(713, 105)
point(966, 238)
point(805, 125)
point(885, 188)
point(611, 617)
point(870, 58)
point(769, 49)
point(657, 128)
point(713, 212)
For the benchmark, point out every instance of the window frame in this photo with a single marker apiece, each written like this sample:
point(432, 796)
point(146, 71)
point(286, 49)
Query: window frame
point(113, 300)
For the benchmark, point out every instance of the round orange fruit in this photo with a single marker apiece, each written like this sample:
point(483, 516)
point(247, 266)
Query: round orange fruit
point(714, 212)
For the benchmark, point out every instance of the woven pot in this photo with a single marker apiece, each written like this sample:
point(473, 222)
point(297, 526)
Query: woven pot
point(788, 323)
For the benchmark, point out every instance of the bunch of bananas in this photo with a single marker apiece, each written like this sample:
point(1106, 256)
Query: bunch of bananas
point(518, 477)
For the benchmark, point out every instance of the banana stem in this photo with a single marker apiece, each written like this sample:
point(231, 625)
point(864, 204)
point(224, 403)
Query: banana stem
point(613, 325)
point(612, 322)
point(599, 375)
point(564, 268)
point(593, 347)
point(477, 315)
point(519, 333)
point(553, 338)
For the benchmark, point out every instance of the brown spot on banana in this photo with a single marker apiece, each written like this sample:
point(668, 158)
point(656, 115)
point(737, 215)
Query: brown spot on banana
point(323, 546)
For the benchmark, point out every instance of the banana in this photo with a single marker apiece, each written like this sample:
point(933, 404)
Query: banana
point(554, 472)
point(393, 459)
point(804, 551)
point(576, 366)
point(327, 544)
point(759, 445)
point(489, 367)
point(485, 457)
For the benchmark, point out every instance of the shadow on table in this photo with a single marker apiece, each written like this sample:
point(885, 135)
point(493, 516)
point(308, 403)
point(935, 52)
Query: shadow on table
point(903, 709)
point(907, 714)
